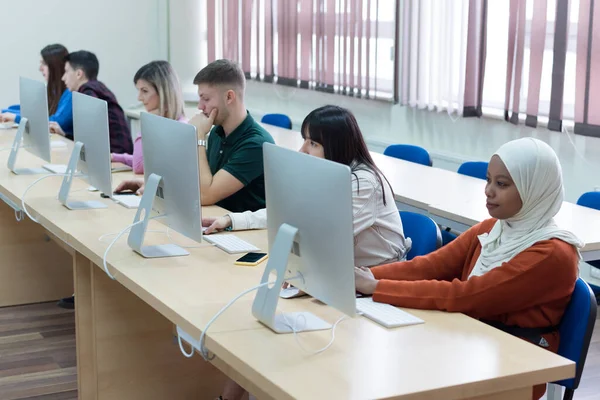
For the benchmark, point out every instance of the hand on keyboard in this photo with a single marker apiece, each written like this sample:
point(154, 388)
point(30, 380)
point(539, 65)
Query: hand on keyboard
point(364, 280)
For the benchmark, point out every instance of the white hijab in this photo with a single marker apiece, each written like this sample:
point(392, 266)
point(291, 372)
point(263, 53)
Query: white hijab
point(536, 172)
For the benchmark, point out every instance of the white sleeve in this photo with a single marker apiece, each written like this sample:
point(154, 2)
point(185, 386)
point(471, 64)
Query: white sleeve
point(249, 220)
point(364, 202)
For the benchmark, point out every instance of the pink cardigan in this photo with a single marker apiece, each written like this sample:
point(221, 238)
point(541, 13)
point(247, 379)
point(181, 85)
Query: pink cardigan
point(136, 161)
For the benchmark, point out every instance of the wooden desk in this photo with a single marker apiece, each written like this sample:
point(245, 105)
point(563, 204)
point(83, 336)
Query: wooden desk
point(125, 327)
point(423, 361)
point(33, 268)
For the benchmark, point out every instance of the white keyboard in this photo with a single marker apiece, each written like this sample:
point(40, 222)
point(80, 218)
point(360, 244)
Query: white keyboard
point(230, 243)
point(121, 168)
point(385, 314)
point(127, 200)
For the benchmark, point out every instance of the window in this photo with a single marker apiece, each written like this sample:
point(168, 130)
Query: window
point(288, 42)
point(494, 89)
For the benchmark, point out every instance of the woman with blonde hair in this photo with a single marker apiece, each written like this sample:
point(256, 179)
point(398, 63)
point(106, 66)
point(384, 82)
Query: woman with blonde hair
point(160, 92)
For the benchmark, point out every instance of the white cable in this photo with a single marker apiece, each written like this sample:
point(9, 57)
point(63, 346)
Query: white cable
point(453, 119)
point(187, 355)
point(203, 349)
point(23, 206)
point(127, 228)
point(19, 215)
point(565, 130)
point(297, 338)
point(284, 98)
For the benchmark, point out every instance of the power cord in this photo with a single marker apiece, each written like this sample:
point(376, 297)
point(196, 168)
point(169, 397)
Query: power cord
point(127, 228)
point(203, 349)
point(23, 206)
point(297, 338)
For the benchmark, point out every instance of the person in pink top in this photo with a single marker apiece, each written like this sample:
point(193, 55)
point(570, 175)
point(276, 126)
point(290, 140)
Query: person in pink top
point(160, 92)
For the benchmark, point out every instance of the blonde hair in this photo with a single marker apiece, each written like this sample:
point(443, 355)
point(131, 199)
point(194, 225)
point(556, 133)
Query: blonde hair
point(162, 76)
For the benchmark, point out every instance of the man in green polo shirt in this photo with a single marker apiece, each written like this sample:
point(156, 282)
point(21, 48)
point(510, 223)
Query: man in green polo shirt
point(231, 163)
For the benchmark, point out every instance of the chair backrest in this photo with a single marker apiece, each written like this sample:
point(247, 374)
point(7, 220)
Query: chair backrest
point(280, 120)
point(576, 330)
point(476, 169)
point(590, 199)
point(423, 231)
point(409, 152)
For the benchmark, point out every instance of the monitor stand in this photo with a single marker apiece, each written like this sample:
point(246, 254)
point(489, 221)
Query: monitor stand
point(264, 307)
point(142, 216)
point(12, 158)
point(65, 188)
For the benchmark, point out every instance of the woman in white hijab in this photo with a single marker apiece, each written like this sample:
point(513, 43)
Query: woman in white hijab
point(516, 271)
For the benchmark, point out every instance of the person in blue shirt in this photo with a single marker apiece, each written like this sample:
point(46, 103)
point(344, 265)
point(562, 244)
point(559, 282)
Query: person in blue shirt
point(60, 105)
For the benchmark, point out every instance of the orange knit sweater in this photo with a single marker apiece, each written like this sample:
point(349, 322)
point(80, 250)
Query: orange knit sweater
point(531, 291)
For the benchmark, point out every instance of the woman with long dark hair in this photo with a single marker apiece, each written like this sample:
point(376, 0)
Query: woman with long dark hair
point(331, 132)
point(60, 107)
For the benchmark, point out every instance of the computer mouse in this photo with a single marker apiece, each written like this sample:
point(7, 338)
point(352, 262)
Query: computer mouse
point(291, 292)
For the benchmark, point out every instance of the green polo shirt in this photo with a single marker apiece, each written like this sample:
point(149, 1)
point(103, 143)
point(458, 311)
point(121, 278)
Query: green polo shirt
point(240, 154)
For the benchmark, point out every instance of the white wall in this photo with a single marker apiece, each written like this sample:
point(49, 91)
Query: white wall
point(187, 39)
point(124, 34)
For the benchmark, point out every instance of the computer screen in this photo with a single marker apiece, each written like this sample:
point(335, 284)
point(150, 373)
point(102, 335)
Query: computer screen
point(171, 155)
point(313, 198)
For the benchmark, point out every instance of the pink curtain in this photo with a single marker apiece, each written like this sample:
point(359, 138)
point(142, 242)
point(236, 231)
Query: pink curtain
point(318, 44)
point(587, 78)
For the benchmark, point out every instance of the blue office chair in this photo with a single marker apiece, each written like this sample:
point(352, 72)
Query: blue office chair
point(409, 152)
point(592, 200)
point(576, 328)
point(423, 231)
point(280, 120)
point(476, 169)
point(15, 108)
point(447, 236)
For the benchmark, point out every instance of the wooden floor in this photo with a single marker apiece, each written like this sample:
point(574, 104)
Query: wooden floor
point(37, 355)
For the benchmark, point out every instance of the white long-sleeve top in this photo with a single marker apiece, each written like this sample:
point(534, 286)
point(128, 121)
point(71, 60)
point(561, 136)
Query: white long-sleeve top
point(378, 234)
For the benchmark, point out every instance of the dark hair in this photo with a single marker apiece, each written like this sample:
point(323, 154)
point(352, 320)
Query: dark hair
point(55, 56)
point(336, 129)
point(85, 61)
point(222, 72)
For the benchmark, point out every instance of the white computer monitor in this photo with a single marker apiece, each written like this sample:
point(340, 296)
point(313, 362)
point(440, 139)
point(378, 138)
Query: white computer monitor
point(172, 184)
point(91, 153)
point(310, 225)
point(32, 133)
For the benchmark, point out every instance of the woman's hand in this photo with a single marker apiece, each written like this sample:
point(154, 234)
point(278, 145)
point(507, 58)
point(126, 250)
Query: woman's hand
point(134, 185)
point(216, 224)
point(55, 128)
point(365, 280)
point(7, 117)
